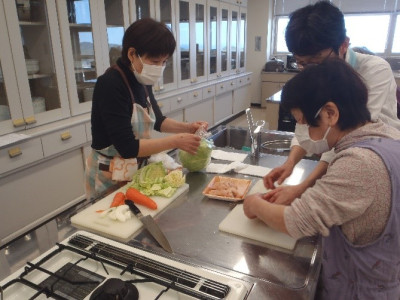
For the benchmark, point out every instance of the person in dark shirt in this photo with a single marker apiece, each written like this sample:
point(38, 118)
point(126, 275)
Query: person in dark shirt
point(124, 110)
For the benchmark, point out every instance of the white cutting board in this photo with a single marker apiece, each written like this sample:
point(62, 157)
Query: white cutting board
point(237, 223)
point(90, 220)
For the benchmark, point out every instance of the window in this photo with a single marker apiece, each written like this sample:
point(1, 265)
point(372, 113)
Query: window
point(377, 27)
point(396, 40)
point(368, 31)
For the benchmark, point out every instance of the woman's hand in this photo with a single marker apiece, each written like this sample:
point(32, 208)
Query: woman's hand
point(249, 205)
point(284, 194)
point(193, 127)
point(187, 142)
point(278, 174)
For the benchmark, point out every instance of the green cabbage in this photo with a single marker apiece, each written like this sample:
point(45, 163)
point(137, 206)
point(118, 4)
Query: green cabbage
point(198, 161)
point(152, 180)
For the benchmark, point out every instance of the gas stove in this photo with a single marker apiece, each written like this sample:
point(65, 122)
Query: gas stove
point(86, 266)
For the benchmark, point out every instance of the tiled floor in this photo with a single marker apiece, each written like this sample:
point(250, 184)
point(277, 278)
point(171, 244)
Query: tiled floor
point(258, 114)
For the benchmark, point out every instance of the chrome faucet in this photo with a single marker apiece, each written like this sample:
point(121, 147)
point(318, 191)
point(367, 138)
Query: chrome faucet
point(255, 133)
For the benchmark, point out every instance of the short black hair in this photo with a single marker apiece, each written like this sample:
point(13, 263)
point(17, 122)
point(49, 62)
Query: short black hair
point(314, 28)
point(335, 81)
point(148, 37)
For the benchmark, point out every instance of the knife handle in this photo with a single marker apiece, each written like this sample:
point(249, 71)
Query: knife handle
point(133, 208)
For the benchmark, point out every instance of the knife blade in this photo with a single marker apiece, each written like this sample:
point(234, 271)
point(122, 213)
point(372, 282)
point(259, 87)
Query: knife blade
point(151, 226)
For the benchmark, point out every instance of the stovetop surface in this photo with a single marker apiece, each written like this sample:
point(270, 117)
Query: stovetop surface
point(79, 265)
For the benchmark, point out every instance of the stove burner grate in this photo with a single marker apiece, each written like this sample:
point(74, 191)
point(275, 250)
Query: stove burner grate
point(174, 278)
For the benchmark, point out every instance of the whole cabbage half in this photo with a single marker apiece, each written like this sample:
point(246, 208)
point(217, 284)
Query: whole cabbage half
point(198, 161)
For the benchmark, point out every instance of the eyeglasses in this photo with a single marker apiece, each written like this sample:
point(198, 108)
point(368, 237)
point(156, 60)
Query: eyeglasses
point(313, 60)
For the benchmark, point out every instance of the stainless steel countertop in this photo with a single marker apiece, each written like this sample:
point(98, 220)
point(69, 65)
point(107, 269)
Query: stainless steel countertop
point(191, 225)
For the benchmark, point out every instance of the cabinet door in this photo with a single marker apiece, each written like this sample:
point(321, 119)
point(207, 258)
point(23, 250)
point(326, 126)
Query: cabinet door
point(165, 12)
point(224, 38)
point(37, 57)
point(241, 99)
point(242, 38)
point(191, 39)
point(144, 9)
point(11, 117)
point(222, 107)
point(202, 111)
point(213, 39)
point(114, 20)
point(234, 45)
point(82, 39)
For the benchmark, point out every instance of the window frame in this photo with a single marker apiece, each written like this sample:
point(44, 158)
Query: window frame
point(389, 42)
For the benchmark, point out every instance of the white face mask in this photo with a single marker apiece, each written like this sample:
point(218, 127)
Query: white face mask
point(308, 144)
point(150, 73)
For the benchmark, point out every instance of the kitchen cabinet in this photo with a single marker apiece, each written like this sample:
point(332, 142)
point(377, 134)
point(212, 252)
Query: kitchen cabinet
point(165, 12)
point(32, 196)
point(241, 97)
point(223, 106)
point(201, 111)
point(227, 38)
point(272, 83)
point(82, 39)
point(32, 46)
point(191, 42)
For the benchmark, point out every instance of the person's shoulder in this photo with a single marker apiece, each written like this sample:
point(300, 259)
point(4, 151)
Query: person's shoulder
point(368, 60)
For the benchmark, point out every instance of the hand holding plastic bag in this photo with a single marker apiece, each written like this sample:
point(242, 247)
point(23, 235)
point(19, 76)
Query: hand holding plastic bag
point(202, 158)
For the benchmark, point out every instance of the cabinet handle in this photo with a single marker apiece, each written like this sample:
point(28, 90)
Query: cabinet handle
point(160, 105)
point(18, 122)
point(232, 83)
point(196, 95)
point(30, 120)
point(14, 152)
point(209, 91)
point(221, 87)
point(66, 136)
point(193, 80)
point(179, 99)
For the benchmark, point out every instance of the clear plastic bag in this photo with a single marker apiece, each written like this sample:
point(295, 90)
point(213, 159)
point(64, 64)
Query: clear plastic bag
point(202, 158)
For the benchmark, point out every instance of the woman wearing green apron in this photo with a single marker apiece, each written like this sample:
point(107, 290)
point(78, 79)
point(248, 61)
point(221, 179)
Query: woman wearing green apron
point(124, 111)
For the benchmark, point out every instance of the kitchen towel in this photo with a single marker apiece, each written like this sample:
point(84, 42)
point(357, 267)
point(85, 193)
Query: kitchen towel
point(254, 171)
point(224, 168)
point(225, 155)
point(238, 167)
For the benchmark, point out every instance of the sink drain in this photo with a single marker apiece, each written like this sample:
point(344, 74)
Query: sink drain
point(277, 145)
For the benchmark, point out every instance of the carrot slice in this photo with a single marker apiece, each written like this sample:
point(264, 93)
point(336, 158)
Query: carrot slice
point(100, 210)
point(138, 198)
point(119, 199)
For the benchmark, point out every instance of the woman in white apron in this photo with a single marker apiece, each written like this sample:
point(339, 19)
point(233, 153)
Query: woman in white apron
point(124, 111)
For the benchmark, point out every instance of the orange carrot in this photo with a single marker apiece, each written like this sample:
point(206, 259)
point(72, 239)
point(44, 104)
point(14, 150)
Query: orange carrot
point(99, 210)
point(137, 197)
point(119, 199)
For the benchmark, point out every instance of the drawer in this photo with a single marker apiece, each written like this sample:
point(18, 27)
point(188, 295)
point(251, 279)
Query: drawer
point(209, 92)
point(243, 80)
point(21, 154)
point(164, 105)
point(88, 129)
point(195, 96)
point(179, 101)
point(62, 140)
point(225, 86)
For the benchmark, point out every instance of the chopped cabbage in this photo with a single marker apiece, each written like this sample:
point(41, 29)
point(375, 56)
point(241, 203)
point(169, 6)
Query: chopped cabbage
point(175, 178)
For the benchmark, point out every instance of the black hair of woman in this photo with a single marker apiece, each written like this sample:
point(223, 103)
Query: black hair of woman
point(314, 28)
point(148, 37)
point(331, 81)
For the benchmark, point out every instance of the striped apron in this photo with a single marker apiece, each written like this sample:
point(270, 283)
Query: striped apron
point(98, 181)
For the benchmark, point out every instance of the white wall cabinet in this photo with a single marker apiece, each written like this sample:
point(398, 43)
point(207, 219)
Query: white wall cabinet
point(34, 52)
point(51, 53)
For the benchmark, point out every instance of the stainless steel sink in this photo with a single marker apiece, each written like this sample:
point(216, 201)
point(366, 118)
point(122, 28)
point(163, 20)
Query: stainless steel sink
point(272, 142)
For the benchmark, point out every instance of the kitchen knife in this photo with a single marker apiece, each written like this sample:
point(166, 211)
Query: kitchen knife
point(151, 226)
